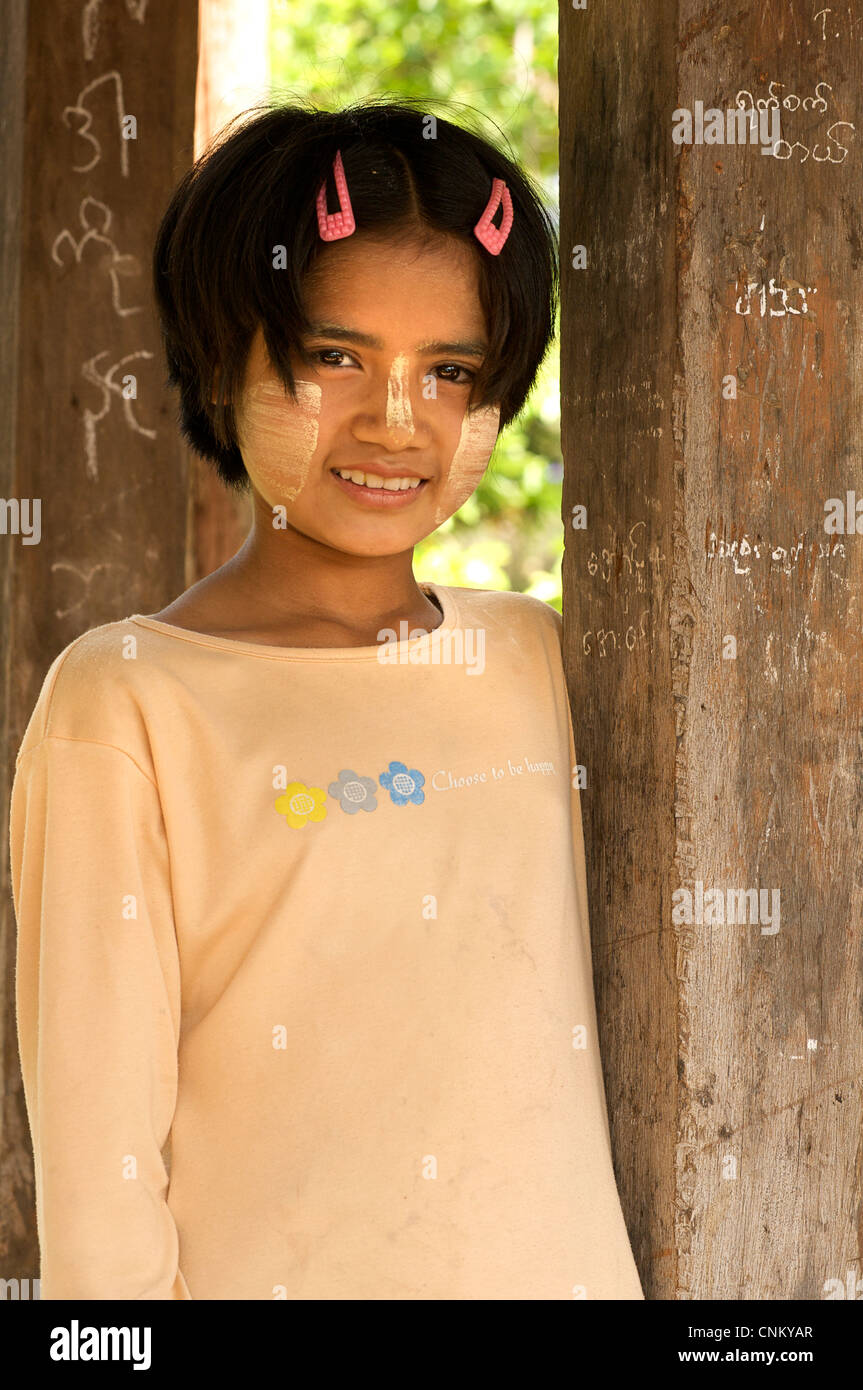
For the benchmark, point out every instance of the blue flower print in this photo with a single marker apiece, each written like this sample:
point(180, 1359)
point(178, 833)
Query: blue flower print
point(354, 793)
point(402, 785)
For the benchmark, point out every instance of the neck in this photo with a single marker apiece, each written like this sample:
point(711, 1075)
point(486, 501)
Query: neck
point(284, 575)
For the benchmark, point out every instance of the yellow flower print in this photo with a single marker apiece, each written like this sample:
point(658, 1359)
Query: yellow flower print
point(299, 803)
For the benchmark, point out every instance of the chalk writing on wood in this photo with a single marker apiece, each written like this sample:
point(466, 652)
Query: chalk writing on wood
point(110, 388)
point(783, 149)
point(79, 109)
point(85, 576)
point(596, 641)
point(119, 265)
point(621, 565)
point(90, 21)
point(830, 24)
point(787, 556)
point(773, 289)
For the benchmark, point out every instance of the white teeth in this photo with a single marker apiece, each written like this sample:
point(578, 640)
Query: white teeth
point(374, 480)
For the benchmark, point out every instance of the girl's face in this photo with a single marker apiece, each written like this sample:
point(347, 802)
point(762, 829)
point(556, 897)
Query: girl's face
point(383, 383)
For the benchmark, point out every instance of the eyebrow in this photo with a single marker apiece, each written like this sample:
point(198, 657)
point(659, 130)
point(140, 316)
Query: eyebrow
point(470, 347)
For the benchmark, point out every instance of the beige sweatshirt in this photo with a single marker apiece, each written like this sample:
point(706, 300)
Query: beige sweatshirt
point(304, 989)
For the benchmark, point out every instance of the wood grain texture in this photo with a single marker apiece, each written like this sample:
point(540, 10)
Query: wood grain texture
point(713, 629)
point(233, 75)
point(108, 468)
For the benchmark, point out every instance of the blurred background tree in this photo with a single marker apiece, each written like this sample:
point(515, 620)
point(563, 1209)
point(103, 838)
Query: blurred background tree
point(498, 57)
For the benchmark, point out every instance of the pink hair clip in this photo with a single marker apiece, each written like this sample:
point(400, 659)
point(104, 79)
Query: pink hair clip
point(485, 231)
point(335, 225)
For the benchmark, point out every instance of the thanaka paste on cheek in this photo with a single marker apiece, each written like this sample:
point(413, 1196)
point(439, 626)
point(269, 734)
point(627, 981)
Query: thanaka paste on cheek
point(399, 418)
point(278, 437)
point(470, 460)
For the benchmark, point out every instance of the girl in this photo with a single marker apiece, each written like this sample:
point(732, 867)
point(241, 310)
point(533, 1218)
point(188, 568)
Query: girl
point(304, 982)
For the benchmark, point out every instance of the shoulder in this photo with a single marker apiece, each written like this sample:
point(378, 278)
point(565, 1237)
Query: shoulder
point(521, 613)
point(90, 692)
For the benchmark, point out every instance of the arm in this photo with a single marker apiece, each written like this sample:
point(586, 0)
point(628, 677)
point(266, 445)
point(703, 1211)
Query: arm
point(98, 1011)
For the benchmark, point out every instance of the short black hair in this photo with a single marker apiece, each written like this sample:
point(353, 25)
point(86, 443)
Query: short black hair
point(409, 173)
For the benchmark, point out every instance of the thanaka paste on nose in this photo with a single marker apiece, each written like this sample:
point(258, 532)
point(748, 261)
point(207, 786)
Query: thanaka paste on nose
point(470, 460)
point(399, 416)
point(279, 436)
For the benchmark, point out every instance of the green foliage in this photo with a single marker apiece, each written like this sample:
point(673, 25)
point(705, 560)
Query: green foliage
point(499, 58)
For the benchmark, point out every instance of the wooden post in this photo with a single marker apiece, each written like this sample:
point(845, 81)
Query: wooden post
point(233, 74)
point(100, 103)
point(711, 409)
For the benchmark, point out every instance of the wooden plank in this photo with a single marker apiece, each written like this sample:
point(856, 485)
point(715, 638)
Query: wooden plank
point(106, 101)
point(712, 628)
point(233, 75)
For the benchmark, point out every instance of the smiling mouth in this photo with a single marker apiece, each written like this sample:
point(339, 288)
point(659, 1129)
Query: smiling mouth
point(375, 481)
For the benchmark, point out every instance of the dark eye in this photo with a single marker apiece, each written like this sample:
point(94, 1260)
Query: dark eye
point(325, 356)
point(467, 374)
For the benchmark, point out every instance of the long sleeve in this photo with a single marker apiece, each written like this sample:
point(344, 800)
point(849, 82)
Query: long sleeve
point(98, 1014)
point(321, 925)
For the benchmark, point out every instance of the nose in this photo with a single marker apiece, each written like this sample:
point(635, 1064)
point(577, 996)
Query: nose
point(391, 425)
point(400, 423)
